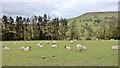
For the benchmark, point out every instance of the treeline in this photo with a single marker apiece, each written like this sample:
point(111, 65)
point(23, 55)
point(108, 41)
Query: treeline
point(44, 28)
point(37, 28)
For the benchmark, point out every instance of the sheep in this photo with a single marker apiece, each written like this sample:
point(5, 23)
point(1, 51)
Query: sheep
point(84, 48)
point(54, 42)
point(40, 45)
point(71, 41)
point(21, 48)
point(115, 47)
point(79, 47)
point(112, 39)
point(47, 42)
point(43, 57)
point(75, 40)
point(5, 48)
point(53, 56)
point(27, 49)
point(54, 45)
point(67, 47)
point(97, 39)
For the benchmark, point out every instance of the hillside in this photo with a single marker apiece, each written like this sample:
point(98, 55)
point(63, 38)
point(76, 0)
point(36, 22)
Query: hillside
point(94, 15)
point(90, 18)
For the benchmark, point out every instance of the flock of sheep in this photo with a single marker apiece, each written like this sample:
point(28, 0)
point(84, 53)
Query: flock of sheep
point(79, 47)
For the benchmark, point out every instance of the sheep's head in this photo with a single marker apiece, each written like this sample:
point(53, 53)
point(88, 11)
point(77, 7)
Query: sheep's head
point(53, 56)
point(43, 57)
point(30, 48)
point(65, 47)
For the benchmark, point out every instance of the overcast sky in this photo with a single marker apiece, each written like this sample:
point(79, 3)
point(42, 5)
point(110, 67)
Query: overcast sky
point(56, 8)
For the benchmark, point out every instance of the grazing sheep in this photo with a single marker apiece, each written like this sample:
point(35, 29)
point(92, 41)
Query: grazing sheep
point(79, 47)
point(54, 45)
point(53, 56)
point(112, 39)
point(84, 48)
point(67, 47)
point(21, 48)
point(43, 57)
point(115, 47)
point(40, 45)
point(75, 40)
point(71, 41)
point(54, 42)
point(97, 39)
point(27, 49)
point(5, 48)
point(47, 42)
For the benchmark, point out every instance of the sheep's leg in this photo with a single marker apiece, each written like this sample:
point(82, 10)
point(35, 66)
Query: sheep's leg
point(81, 49)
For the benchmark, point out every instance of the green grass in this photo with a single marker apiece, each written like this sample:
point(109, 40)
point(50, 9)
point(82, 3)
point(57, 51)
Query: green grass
point(98, 53)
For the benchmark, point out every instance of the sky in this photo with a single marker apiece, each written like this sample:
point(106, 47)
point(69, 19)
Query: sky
point(56, 8)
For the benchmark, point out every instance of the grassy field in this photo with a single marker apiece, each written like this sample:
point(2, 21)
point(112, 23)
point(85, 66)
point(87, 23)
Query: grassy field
point(98, 53)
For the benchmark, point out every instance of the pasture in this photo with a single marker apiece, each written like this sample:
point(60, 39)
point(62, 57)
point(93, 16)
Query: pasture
point(98, 53)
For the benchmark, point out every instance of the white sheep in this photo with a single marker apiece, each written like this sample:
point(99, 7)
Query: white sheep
point(79, 47)
point(27, 49)
point(97, 39)
point(115, 47)
point(40, 45)
point(75, 40)
point(71, 41)
point(21, 48)
point(47, 42)
point(54, 42)
point(67, 47)
point(5, 48)
point(112, 39)
point(54, 46)
point(84, 47)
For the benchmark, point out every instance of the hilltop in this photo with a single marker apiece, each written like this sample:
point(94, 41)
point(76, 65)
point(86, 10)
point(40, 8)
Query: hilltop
point(94, 15)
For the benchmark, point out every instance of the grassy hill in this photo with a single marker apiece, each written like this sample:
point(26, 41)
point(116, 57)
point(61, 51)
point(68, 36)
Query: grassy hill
point(92, 15)
point(90, 18)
